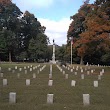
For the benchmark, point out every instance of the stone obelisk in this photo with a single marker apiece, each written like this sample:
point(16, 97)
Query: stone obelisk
point(53, 56)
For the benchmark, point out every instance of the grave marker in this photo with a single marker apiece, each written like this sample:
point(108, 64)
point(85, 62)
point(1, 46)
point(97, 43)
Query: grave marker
point(12, 97)
point(50, 82)
point(27, 82)
point(95, 83)
point(86, 99)
point(50, 98)
point(4, 82)
point(73, 83)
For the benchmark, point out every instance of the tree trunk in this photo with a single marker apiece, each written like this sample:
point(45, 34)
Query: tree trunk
point(81, 61)
point(10, 56)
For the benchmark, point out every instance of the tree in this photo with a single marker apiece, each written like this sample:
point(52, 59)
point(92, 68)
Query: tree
point(92, 36)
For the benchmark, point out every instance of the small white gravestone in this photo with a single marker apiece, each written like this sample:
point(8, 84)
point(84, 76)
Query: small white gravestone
point(25, 71)
point(30, 69)
point(0, 68)
point(16, 67)
point(71, 70)
point(92, 71)
point(99, 77)
point(75, 73)
point(50, 98)
point(18, 75)
point(81, 70)
point(50, 82)
point(95, 83)
point(66, 76)
point(101, 73)
point(12, 97)
point(20, 69)
point(34, 68)
point(73, 83)
point(27, 82)
point(4, 82)
point(9, 69)
point(86, 99)
point(34, 75)
point(24, 67)
point(76, 69)
point(63, 72)
point(73, 67)
point(1, 75)
point(82, 76)
point(40, 69)
point(31, 66)
point(50, 76)
point(88, 72)
point(103, 70)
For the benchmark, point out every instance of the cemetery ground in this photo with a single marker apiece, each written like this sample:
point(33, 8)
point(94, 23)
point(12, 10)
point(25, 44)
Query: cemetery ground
point(66, 97)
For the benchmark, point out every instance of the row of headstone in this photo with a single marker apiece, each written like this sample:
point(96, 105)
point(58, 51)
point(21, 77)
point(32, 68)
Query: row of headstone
point(50, 82)
point(50, 98)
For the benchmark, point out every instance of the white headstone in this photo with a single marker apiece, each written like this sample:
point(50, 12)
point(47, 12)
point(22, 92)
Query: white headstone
point(50, 82)
point(101, 73)
point(86, 99)
point(4, 82)
point(75, 73)
point(63, 72)
point(12, 97)
point(95, 83)
point(81, 70)
point(30, 69)
point(27, 82)
point(25, 71)
point(82, 76)
point(73, 83)
point(71, 70)
point(16, 67)
point(20, 69)
point(9, 69)
point(92, 71)
point(34, 75)
point(99, 77)
point(88, 72)
point(66, 76)
point(50, 98)
point(24, 67)
point(103, 70)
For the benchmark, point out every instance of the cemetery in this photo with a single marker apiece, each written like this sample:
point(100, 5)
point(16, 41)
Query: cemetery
point(47, 86)
point(36, 74)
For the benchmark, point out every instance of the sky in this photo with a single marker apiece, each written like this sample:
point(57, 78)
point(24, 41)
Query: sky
point(53, 14)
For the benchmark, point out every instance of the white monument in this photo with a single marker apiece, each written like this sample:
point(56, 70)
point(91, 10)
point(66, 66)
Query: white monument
point(53, 56)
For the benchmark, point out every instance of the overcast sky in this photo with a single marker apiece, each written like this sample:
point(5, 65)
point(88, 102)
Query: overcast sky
point(53, 14)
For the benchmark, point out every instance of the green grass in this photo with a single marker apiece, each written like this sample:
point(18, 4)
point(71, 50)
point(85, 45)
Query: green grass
point(34, 97)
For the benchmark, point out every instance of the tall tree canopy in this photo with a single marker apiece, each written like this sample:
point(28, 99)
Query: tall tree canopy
point(21, 35)
point(90, 30)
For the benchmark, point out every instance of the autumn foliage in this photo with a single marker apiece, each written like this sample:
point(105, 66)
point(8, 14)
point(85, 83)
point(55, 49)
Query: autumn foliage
point(90, 28)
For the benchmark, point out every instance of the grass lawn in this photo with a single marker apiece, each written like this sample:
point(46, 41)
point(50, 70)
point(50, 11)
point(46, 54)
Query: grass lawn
point(66, 97)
